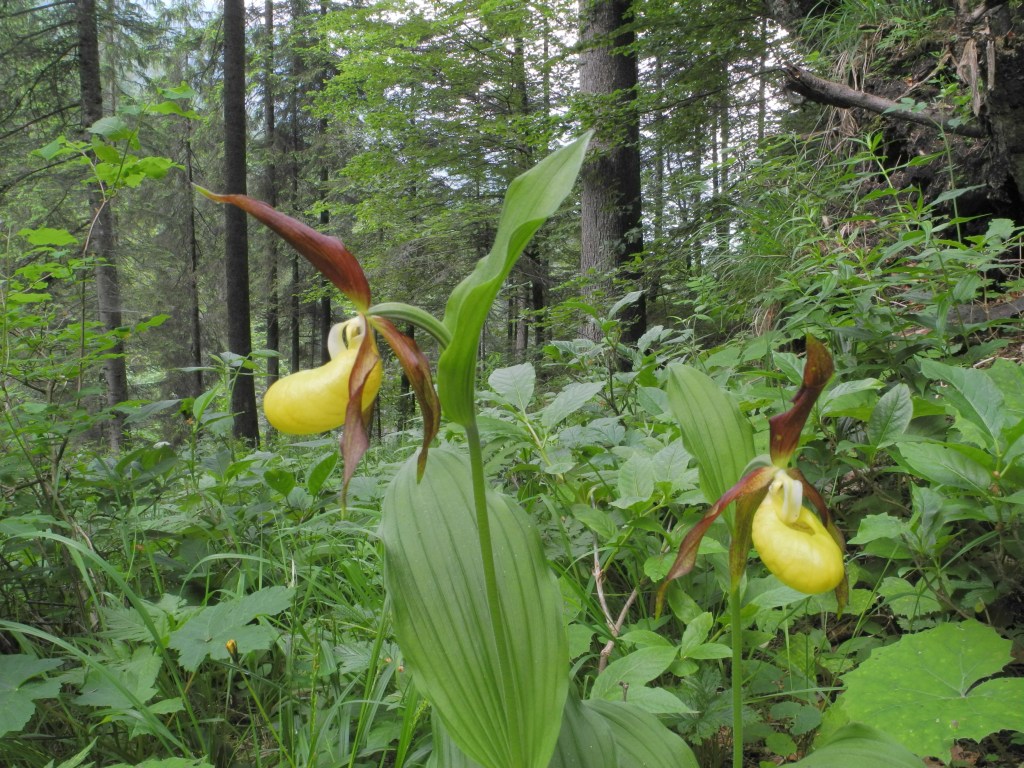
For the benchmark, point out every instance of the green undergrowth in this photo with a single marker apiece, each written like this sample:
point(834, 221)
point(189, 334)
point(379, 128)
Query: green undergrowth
point(193, 602)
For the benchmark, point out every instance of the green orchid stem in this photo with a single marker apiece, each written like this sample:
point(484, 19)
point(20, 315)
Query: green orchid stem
point(397, 310)
point(735, 611)
point(483, 527)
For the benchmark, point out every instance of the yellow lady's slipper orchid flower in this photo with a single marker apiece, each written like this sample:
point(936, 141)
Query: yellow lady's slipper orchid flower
point(802, 548)
point(316, 400)
point(792, 541)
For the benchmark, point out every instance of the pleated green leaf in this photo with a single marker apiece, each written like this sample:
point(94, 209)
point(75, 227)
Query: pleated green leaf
point(530, 200)
point(714, 431)
point(640, 738)
point(585, 741)
point(446, 754)
point(502, 714)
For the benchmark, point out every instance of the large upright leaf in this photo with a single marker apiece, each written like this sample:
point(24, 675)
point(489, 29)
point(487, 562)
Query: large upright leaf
point(503, 713)
point(714, 431)
point(924, 687)
point(530, 200)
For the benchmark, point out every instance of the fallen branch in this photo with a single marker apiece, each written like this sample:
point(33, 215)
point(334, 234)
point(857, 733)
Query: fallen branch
point(823, 91)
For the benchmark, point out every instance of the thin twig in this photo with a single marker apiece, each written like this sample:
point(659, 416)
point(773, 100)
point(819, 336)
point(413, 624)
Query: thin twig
point(614, 625)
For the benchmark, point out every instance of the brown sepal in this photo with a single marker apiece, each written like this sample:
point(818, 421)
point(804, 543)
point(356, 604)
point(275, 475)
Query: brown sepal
point(785, 428)
point(751, 483)
point(743, 521)
point(417, 370)
point(355, 437)
point(328, 254)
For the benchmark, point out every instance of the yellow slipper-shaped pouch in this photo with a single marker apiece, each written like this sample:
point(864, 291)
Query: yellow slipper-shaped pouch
point(315, 400)
point(793, 543)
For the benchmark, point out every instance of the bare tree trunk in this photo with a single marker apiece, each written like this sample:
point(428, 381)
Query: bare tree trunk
point(611, 197)
point(101, 239)
point(297, 71)
point(523, 324)
point(243, 394)
point(539, 282)
point(326, 312)
point(195, 348)
point(270, 195)
point(295, 318)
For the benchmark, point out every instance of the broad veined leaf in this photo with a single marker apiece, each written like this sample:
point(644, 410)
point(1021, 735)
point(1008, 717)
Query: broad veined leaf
point(503, 713)
point(446, 752)
point(859, 746)
point(584, 741)
point(924, 688)
point(891, 416)
point(531, 199)
point(714, 431)
point(639, 667)
point(17, 694)
point(515, 384)
point(672, 466)
point(945, 466)
point(975, 397)
point(636, 481)
point(640, 739)
point(568, 401)
point(846, 396)
point(1009, 377)
point(207, 630)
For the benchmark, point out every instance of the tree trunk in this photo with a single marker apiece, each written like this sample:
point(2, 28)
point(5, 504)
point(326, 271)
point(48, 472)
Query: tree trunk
point(243, 393)
point(539, 282)
point(270, 195)
point(326, 312)
point(195, 330)
point(610, 203)
point(523, 322)
point(297, 71)
point(101, 238)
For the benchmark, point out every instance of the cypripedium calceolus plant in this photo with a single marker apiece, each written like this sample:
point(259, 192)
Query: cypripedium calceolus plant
point(476, 608)
point(803, 548)
point(342, 391)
